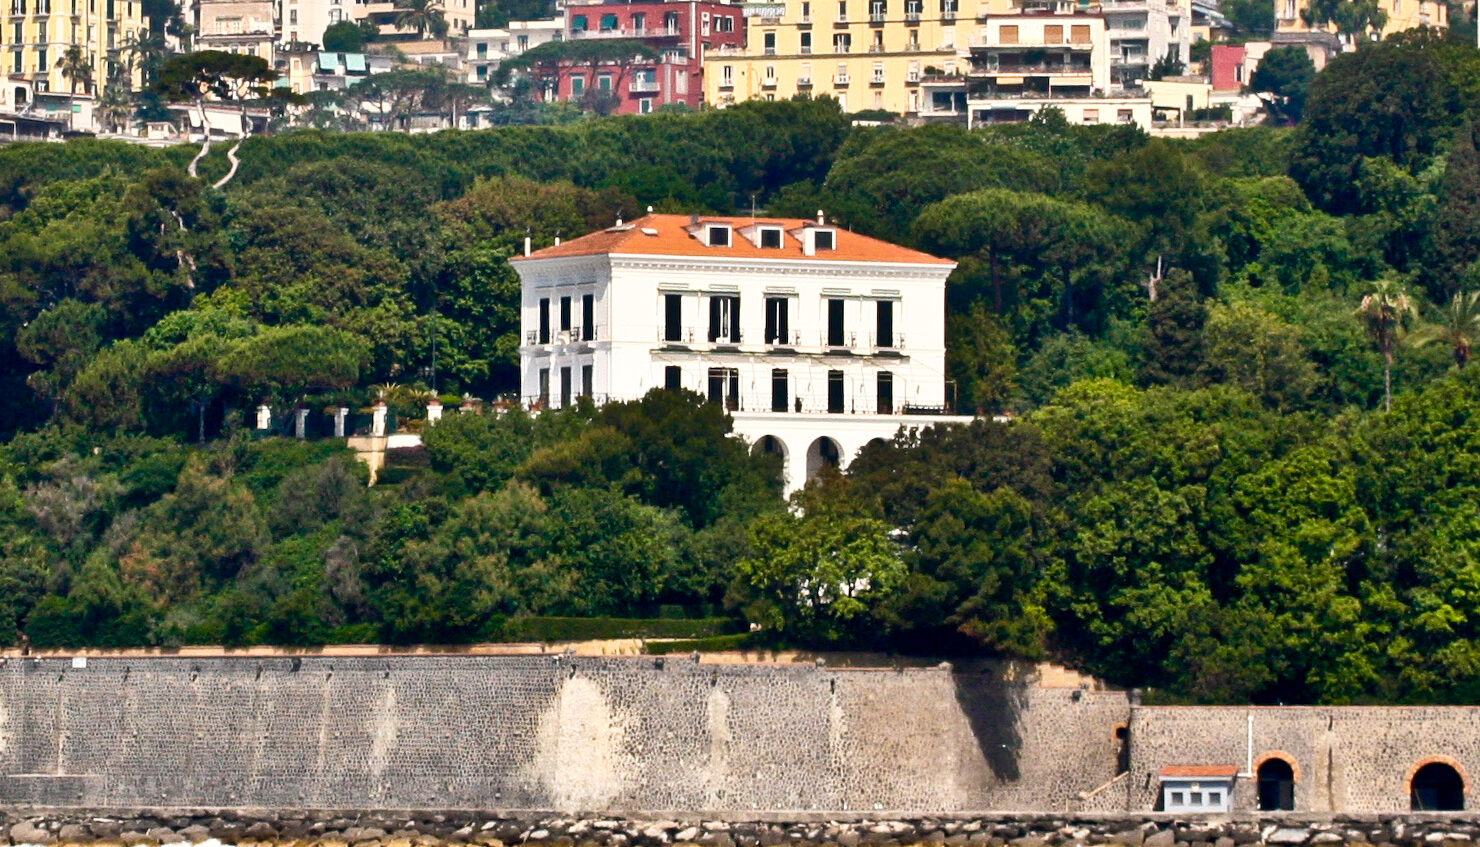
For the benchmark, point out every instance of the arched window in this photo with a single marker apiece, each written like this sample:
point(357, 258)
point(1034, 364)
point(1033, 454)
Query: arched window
point(1276, 786)
point(1437, 787)
point(824, 453)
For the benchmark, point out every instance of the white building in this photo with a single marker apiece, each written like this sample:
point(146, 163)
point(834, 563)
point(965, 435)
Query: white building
point(486, 48)
point(817, 339)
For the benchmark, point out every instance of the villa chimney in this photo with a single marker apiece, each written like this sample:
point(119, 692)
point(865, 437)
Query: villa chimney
point(820, 219)
point(619, 219)
point(526, 245)
point(650, 210)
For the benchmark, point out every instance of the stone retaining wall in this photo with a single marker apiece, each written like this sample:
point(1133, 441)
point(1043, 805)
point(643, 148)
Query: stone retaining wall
point(555, 732)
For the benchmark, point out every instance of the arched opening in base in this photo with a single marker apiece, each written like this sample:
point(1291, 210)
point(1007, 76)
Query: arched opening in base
point(1276, 786)
point(1437, 787)
point(824, 453)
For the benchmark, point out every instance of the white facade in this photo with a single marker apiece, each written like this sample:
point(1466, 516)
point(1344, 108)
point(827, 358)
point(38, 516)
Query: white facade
point(815, 350)
point(486, 48)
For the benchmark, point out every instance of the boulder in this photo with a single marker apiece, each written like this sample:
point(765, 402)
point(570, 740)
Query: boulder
point(1160, 838)
point(72, 833)
point(1287, 835)
point(27, 832)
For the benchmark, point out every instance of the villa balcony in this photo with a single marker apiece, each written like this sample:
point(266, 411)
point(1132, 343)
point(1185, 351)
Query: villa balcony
point(643, 86)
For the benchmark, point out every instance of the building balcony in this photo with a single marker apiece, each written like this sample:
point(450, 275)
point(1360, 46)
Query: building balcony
point(912, 17)
point(564, 337)
point(769, 84)
point(988, 47)
point(804, 82)
point(876, 48)
point(876, 81)
point(948, 15)
point(840, 20)
point(1062, 74)
point(629, 32)
point(806, 51)
point(840, 79)
point(876, 18)
point(805, 20)
point(643, 86)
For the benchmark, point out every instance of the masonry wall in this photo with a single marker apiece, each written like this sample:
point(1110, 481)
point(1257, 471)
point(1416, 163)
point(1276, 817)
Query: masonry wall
point(542, 732)
point(1348, 759)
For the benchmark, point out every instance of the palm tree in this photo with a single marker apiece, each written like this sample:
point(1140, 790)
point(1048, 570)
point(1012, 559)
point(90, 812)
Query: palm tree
point(144, 50)
point(1458, 326)
point(116, 104)
point(76, 68)
point(1386, 310)
point(421, 15)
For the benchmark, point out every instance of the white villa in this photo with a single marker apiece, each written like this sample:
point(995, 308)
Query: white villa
point(818, 340)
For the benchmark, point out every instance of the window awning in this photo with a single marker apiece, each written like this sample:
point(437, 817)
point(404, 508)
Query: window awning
point(354, 63)
point(328, 63)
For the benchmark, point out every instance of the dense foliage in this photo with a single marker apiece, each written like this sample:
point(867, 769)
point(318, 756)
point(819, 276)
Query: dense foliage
point(1192, 485)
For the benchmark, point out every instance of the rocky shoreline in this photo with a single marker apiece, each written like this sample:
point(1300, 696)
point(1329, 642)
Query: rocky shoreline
point(451, 829)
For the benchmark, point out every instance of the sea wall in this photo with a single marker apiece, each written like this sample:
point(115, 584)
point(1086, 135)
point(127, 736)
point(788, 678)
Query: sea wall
point(552, 732)
point(453, 829)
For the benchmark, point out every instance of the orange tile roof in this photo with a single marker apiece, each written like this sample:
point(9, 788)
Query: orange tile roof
point(1200, 770)
point(668, 235)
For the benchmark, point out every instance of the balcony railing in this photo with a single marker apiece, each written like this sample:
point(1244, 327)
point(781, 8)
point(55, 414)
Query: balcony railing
point(876, 17)
point(575, 335)
point(826, 339)
point(840, 79)
point(1033, 70)
point(644, 86)
point(912, 17)
point(804, 82)
point(948, 15)
point(626, 32)
point(876, 48)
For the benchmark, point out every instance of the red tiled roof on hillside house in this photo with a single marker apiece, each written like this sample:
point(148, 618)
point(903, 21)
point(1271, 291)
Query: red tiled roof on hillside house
point(681, 235)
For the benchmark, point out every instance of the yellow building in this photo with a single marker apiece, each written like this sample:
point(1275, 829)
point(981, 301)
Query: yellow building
point(867, 54)
point(37, 35)
point(1401, 15)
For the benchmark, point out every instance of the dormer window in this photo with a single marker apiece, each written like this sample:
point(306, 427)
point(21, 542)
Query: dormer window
point(822, 239)
point(719, 236)
point(771, 237)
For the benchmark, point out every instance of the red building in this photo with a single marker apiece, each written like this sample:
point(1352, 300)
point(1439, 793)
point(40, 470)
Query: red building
point(1228, 67)
point(679, 32)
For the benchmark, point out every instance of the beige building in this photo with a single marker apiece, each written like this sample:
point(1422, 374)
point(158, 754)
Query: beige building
point(38, 33)
point(236, 26)
point(867, 54)
point(1401, 15)
point(459, 15)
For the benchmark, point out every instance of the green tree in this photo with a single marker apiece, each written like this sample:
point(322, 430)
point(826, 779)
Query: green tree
point(1385, 311)
point(1352, 18)
point(816, 577)
point(1455, 245)
point(76, 68)
point(1249, 17)
point(424, 16)
point(1173, 351)
point(1392, 99)
point(221, 76)
point(1254, 350)
point(1283, 81)
point(344, 37)
point(981, 359)
point(287, 362)
point(1458, 326)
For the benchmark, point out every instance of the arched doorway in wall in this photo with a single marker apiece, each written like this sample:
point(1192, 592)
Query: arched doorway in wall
point(824, 453)
point(1276, 785)
point(1437, 787)
point(770, 445)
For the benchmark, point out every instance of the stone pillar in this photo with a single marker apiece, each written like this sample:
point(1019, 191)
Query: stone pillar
point(434, 410)
point(340, 414)
point(300, 423)
point(264, 417)
point(468, 404)
point(377, 419)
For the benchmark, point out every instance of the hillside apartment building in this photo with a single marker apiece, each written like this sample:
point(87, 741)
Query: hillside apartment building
point(680, 33)
point(816, 339)
point(38, 33)
point(931, 58)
